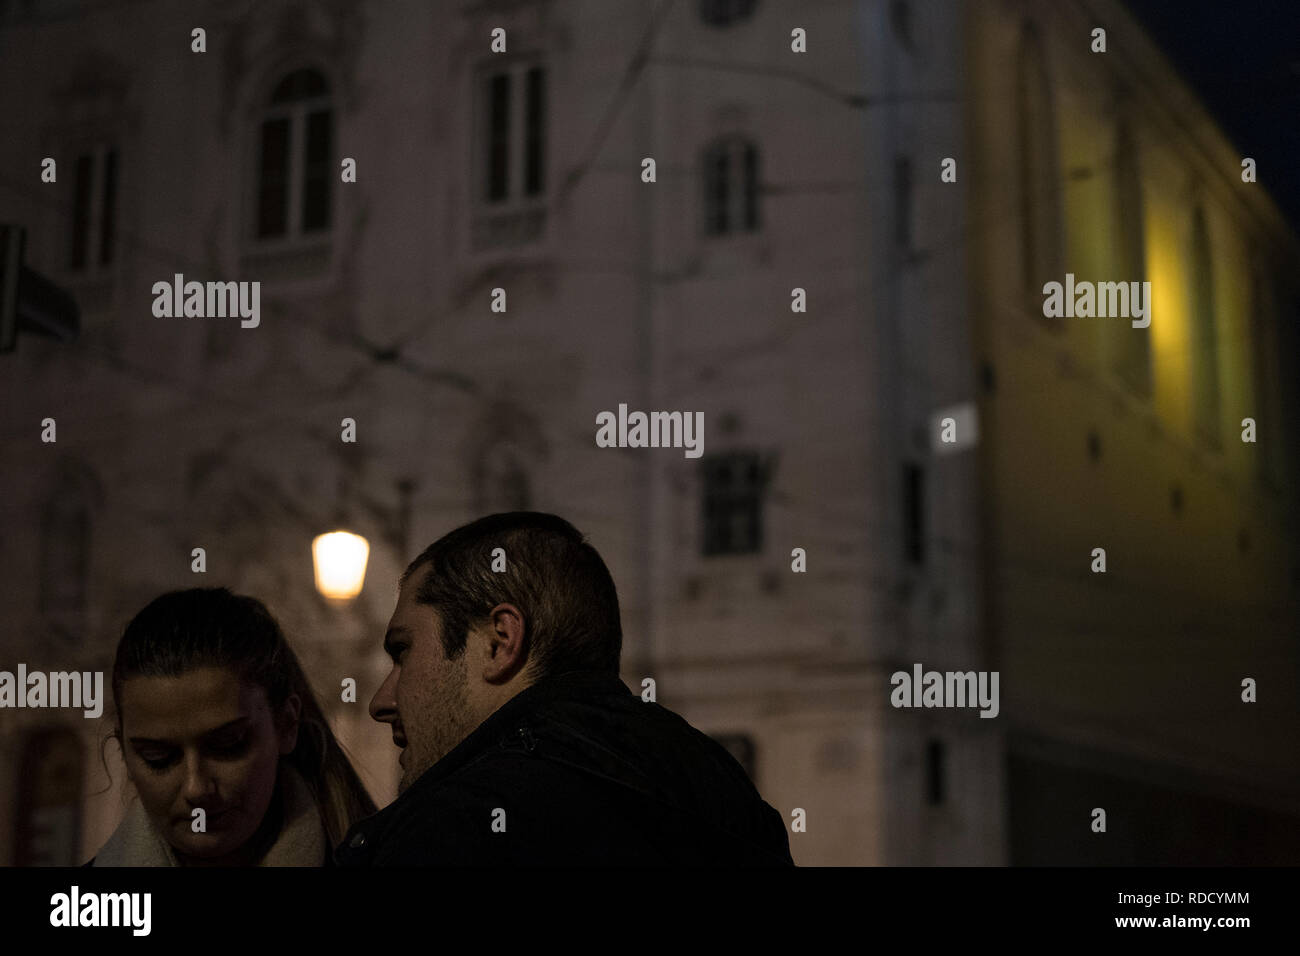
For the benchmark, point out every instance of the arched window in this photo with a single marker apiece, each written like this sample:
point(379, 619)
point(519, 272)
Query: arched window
point(1040, 201)
point(295, 164)
point(730, 186)
point(1204, 338)
point(1132, 352)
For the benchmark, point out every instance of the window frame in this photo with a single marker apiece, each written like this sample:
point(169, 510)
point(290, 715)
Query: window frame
point(750, 496)
point(99, 149)
point(742, 174)
point(298, 113)
point(519, 218)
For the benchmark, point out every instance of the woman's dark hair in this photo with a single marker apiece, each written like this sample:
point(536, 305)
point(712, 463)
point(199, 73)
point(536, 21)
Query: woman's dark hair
point(181, 631)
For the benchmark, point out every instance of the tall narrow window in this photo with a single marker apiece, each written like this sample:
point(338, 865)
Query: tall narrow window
point(935, 772)
point(317, 172)
point(733, 503)
point(535, 133)
point(498, 137)
point(1132, 352)
point(509, 156)
point(913, 514)
point(1039, 185)
point(731, 175)
point(295, 158)
point(903, 203)
point(514, 134)
point(1204, 338)
point(94, 210)
point(81, 211)
point(108, 222)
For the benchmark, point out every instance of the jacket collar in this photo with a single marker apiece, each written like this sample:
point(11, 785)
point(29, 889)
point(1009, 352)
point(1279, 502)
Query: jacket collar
point(499, 727)
point(301, 841)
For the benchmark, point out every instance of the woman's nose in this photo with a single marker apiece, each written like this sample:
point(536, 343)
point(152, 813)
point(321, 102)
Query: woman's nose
point(198, 789)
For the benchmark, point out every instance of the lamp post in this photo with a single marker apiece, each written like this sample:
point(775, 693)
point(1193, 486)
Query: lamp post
point(339, 557)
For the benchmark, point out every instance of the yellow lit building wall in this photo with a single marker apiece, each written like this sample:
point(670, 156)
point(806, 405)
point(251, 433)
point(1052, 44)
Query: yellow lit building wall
point(1147, 658)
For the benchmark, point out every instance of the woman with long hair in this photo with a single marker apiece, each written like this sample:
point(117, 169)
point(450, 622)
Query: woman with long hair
point(224, 741)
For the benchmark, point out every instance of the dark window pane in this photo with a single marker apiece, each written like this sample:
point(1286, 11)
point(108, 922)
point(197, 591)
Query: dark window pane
point(273, 181)
point(317, 172)
point(536, 132)
point(934, 772)
point(903, 202)
point(498, 146)
point(81, 191)
point(300, 85)
point(751, 187)
point(732, 514)
point(913, 514)
point(715, 172)
point(108, 223)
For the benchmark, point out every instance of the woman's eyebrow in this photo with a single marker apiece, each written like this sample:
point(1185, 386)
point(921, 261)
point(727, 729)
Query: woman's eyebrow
point(228, 725)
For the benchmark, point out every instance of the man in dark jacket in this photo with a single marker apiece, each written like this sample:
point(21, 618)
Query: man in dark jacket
point(520, 744)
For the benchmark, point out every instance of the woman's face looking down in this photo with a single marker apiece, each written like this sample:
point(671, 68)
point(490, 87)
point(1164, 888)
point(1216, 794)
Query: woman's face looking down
point(204, 740)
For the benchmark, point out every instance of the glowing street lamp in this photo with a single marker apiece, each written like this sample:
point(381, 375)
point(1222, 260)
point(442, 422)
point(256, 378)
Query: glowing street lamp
point(340, 561)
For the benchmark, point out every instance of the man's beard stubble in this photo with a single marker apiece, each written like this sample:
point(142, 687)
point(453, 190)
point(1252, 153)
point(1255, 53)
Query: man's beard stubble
point(449, 725)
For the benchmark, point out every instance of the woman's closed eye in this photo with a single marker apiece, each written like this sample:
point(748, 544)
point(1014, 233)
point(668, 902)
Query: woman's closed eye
point(158, 760)
point(222, 748)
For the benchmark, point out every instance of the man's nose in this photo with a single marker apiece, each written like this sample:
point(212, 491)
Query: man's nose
point(383, 706)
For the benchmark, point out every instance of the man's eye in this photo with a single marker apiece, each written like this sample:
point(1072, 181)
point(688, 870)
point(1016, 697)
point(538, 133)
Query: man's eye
point(157, 761)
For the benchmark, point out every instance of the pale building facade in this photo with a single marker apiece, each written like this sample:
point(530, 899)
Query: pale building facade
point(523, 171)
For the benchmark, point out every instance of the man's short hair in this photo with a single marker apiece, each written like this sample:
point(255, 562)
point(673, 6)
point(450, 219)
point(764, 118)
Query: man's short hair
point(556, 579)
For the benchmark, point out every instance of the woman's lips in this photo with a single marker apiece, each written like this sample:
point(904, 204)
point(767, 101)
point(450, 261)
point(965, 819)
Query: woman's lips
point(208, 818)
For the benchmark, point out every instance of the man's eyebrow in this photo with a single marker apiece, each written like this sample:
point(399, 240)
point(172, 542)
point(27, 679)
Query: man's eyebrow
point(228, 725)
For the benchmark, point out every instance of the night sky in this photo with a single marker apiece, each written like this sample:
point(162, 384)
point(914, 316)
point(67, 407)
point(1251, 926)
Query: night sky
point(1243, 59)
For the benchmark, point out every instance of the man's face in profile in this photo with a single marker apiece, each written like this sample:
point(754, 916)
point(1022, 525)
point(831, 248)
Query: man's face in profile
point(424, 697)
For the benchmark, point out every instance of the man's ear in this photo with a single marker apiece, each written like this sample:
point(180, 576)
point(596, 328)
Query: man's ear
point(288, 723)
point(506, 622)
